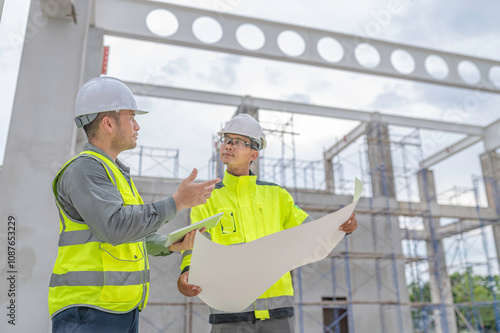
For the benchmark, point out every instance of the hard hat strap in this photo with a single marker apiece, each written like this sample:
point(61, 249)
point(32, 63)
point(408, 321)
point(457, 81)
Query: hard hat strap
point(85, 119)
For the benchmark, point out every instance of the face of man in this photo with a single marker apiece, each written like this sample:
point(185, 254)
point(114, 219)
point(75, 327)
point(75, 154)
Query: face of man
point(126, 131)
point(237, 155)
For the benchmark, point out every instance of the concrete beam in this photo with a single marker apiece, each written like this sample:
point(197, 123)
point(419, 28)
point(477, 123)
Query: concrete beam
point(450, 211)
point(127, 18)
point(462, 226)
point(450, 151)
point(324, 202)
point(200, 96)
point(346, 141)
point(452, 229)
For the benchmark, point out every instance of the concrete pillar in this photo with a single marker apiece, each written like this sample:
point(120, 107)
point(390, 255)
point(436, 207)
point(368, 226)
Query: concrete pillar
point(1, 9)
point(440, 286)
point(329, 176)
point(490, 163)
point(41, 138)
point(382, 178)
point(219, 167)
point(426, 185)
point(93, 63)
point(380, 159)
point(254, 112)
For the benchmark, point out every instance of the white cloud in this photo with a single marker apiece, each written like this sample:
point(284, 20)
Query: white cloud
point(463, 27)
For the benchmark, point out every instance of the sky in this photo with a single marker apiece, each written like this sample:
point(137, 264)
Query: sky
point(463, 27)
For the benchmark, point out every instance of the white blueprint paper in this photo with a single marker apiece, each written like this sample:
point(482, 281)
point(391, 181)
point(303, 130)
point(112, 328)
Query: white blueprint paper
point(233, 277)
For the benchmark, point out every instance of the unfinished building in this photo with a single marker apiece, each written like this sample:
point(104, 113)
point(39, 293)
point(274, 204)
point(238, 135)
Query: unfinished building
point(363, 285)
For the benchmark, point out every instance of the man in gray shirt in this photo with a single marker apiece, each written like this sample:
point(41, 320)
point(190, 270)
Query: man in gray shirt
point(101, 276)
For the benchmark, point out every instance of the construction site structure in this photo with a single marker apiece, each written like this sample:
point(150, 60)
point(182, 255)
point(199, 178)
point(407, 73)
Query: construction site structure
point(363, 285)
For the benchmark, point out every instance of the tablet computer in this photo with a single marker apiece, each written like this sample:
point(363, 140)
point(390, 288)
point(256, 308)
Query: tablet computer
point(178, 234)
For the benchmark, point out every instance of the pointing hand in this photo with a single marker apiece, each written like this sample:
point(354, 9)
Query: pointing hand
point(191, 194)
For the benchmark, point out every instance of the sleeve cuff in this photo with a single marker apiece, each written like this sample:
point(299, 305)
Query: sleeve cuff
point(166, 209)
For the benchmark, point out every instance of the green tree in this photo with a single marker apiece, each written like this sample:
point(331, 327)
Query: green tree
point(466, 287)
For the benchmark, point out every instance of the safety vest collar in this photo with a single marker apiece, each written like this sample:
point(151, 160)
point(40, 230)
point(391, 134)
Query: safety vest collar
point(106, 158)
point(90, 147)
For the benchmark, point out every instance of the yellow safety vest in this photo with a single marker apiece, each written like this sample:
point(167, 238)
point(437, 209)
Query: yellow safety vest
point(252, 209)
point(89, 272)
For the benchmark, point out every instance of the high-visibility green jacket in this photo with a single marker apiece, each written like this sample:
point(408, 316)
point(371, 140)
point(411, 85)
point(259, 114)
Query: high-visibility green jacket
point(252, 209)
point(93, 273)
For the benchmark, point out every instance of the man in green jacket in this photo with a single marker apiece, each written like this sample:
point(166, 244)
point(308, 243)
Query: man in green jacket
point(252, 209)
point(100, 280)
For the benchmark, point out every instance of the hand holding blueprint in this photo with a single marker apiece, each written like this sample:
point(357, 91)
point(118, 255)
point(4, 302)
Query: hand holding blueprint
point(220, 272)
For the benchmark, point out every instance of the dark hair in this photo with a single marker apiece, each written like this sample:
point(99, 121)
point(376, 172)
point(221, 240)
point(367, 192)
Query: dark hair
point(92, 127)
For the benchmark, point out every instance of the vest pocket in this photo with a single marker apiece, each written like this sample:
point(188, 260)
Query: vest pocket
point(123, 267)
point(228, 231)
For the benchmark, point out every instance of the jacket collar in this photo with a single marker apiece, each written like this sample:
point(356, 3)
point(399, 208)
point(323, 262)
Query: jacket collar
point(235, 181)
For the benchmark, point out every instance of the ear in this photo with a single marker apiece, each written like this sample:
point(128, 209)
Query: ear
point(108, 124)
point(254, 155)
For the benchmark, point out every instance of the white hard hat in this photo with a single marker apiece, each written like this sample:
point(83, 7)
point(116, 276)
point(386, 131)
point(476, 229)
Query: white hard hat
point(246, 125)
point(102, 94)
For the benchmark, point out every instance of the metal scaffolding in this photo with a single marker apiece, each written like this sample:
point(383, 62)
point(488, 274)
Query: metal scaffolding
point(423, 266)
point(433, 248)
point(152, 161)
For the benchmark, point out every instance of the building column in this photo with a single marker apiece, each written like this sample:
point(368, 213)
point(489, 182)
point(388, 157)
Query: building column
point(41, 138)
point(380, 160)
point(490, 163)
point(440, 286)
point(1, 9)
point(254, 112)
point(329, 176)
point(397, 318)
point(93, 62)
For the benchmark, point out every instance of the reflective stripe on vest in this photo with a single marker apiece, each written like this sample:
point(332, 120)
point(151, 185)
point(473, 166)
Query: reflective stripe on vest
point(85, 278)
point(77, 237)
point(94, 273)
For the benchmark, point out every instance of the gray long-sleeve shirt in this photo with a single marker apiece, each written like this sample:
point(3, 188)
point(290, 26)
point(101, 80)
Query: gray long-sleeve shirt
point(86, 194)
